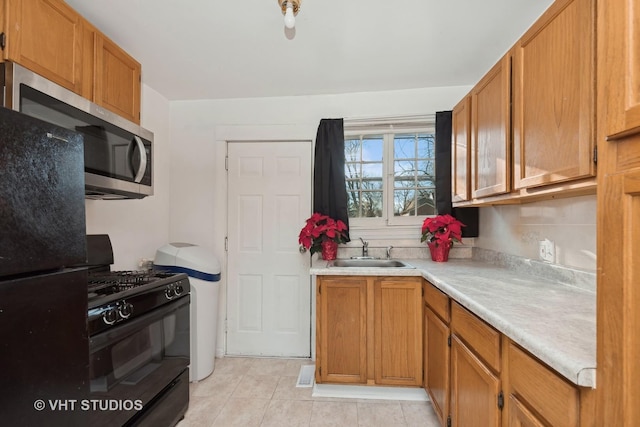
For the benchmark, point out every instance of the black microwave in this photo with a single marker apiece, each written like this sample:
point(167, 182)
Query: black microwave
point(118, 154)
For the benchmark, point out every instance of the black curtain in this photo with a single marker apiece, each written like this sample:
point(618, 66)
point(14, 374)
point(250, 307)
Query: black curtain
point(329, 189)
point(468, 216)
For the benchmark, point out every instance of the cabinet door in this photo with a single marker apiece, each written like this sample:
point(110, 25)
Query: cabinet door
point(620, 67)
point(552, 398)
point(45, 36)
point(436, 363)
point(341, 332)
point(474, 390)
point(460, 155)
point(520, 416)
point(117, 80)
point(491, 132)
point(619, 297)
point(554, 97)
point(398, 331)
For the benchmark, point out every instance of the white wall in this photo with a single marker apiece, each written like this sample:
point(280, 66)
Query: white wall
point(200, 130)
point(137, 228)
point(569, 223)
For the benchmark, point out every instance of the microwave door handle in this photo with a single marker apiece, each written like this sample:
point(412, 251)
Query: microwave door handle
point(142, 167)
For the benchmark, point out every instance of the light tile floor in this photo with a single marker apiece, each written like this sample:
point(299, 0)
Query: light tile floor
point(262, 392)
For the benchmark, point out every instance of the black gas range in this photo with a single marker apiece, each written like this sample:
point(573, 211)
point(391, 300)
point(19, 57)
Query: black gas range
point(139, 342)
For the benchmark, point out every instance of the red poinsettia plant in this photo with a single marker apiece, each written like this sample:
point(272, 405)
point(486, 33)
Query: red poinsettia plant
point(442, 230)
point(319, 228)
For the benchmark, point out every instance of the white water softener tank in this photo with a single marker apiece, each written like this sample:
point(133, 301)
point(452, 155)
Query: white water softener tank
point(204, 276)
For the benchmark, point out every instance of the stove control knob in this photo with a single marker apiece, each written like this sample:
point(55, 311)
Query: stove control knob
point(110, 316)
point(179, 289)
point(125, 310)
point(170, 292)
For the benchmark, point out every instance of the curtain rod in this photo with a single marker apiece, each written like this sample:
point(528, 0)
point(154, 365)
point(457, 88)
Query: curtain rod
point(390, 121)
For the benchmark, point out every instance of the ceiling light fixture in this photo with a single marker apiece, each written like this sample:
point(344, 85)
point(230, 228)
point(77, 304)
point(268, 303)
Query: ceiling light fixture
point(290, 10)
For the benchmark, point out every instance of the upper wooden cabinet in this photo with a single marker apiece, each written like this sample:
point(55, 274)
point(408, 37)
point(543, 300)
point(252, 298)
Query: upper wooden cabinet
point(554, 96)
point(53, 40)
point(117, 79)
point(620, 44)
point(460, 150)
point(491, 132)
point(533, 126)
point(46, 37)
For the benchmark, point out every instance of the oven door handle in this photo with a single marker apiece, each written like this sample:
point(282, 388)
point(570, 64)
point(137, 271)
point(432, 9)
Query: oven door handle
point(128, 327)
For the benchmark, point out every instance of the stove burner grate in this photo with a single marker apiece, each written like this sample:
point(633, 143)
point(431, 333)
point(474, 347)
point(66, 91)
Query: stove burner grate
point(106, 283)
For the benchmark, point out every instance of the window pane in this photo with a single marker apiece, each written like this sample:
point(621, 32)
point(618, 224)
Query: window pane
point(426, 204)
point(372, 184)
point(426, 146)
point(404, 168)
point(427, 167)
point(414, 174)
point(372, 149)
point(353, 202)
point(352, 150)
point(404, 183)
point(352, 170)
point(364, 176)
point(404, 147)
point(371, 204)
point(404, 202)
point(427, 183)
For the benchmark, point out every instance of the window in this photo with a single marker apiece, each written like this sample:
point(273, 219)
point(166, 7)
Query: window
point(390, 173)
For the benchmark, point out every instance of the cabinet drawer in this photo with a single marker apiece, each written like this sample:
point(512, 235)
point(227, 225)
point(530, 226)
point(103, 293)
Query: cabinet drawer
point(438, 301)
point(543, 391)
point(479, 336)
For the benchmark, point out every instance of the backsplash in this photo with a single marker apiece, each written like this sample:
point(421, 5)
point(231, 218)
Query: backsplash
point(582, 279)
point(403, 249)
point(517, 229)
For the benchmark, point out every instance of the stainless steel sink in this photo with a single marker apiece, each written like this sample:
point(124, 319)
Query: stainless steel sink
point(369, 263)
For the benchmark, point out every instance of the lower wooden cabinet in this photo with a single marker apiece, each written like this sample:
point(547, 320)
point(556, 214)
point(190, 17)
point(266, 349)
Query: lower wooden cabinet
point(475, 376)
point(476, 396)
point(369, 330)
point(341, 330)
point(520, 416)
point(436, 356)
point(538, 396)
point(474, 389)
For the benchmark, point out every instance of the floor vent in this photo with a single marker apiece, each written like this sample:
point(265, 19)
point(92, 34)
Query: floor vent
point(305, 377)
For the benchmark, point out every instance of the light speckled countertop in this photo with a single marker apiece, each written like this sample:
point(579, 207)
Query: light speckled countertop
point(553, 321)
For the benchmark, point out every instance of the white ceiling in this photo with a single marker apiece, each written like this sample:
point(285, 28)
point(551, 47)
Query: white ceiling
point(211, 49)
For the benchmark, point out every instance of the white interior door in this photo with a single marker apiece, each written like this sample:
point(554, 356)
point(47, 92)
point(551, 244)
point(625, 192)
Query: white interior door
point(268, 285)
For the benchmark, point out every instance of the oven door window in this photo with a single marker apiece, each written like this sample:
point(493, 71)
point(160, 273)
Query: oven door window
point(137, 359)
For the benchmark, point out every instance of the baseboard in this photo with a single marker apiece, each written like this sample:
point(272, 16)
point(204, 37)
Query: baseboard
point(370, 392)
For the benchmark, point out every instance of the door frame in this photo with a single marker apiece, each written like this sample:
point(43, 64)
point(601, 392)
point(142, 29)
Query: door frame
point(248, 133)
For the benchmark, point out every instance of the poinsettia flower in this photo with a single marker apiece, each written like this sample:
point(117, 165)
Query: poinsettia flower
point(442, 229)
point(319, 228)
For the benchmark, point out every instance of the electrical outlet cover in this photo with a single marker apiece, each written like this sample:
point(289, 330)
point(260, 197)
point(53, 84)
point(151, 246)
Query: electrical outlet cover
point(547, 250)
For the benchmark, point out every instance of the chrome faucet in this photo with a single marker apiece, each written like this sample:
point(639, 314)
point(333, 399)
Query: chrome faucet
point(365, 247)
point(389, 251)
